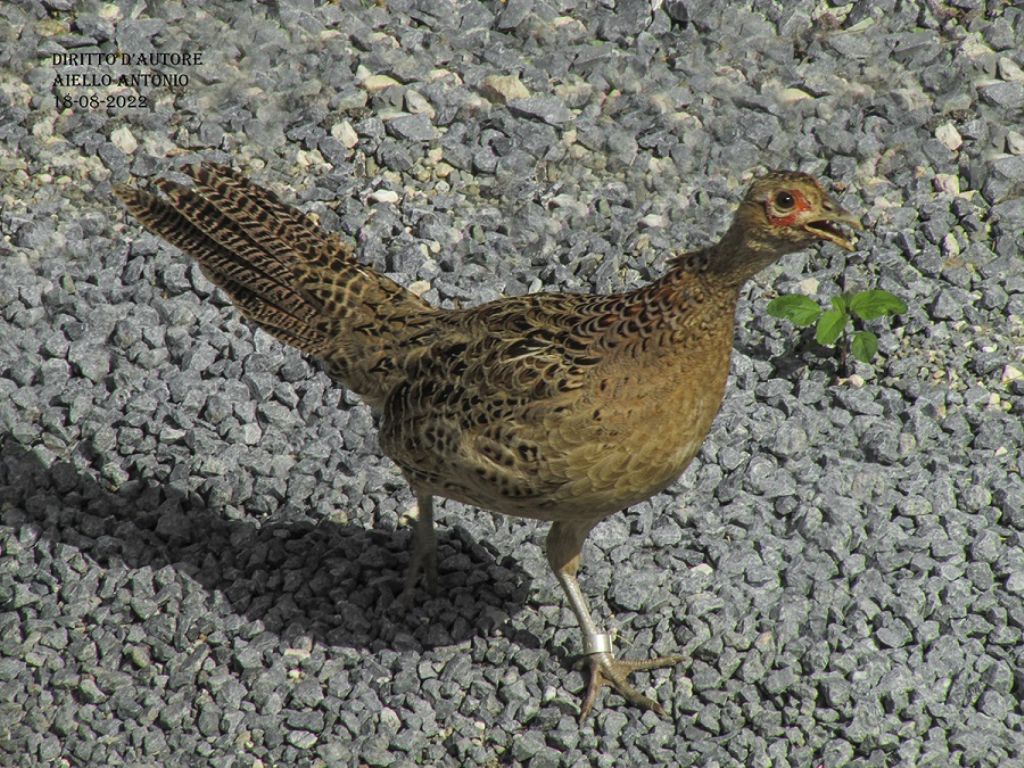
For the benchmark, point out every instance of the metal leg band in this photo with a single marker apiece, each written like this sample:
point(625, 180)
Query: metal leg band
point(600, 642)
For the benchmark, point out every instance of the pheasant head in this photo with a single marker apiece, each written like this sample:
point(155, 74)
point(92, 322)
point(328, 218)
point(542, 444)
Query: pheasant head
point(783, 211)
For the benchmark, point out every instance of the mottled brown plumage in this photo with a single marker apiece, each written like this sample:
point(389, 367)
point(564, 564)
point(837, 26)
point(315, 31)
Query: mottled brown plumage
point(558, 407)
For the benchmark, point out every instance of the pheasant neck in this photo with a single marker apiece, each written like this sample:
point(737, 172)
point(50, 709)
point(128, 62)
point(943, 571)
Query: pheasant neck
point(739, 255)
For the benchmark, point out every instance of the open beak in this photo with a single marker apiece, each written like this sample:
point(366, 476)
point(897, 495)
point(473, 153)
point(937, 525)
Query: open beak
point(830, 225)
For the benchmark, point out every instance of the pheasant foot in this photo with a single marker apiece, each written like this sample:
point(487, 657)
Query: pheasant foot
point(605, 669)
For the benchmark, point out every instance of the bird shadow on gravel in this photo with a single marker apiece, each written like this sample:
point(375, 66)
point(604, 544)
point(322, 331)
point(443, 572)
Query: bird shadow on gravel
point(333, 583)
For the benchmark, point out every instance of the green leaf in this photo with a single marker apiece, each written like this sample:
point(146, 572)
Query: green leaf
point(864, 346)
point(799, 310)
point(830, 327)
point(841, 303)
point(871, 304)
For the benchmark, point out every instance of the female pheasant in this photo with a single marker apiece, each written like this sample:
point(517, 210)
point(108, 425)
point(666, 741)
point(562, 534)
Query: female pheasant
point(559, 407)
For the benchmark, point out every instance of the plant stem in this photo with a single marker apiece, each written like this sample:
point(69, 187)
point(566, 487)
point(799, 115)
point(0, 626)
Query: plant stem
point(844, 363)
point(844, 342)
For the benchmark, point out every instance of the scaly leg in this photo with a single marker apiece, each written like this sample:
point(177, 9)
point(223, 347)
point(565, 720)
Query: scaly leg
point(424, 551)
point(565, 542)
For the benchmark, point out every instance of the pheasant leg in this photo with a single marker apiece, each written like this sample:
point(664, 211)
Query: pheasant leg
point(564, 545)
point(424, 552)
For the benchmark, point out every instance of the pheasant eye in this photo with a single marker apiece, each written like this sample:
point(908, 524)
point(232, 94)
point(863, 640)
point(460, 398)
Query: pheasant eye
point(784, 201)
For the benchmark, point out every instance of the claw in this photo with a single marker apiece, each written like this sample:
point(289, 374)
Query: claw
point(605, 669)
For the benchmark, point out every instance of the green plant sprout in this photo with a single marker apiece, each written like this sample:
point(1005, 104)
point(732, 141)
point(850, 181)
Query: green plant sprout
point(848, 309)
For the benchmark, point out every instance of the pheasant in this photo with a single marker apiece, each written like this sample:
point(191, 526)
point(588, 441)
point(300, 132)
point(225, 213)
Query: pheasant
point(553, 406)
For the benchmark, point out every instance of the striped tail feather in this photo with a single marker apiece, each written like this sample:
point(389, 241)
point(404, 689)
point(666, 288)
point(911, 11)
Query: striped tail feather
point(298, 282)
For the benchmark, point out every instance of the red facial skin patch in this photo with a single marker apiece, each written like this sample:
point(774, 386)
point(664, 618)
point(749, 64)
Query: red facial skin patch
point(800, 204)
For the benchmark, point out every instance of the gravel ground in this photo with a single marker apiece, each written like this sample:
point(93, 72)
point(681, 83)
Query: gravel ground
point(201, 542)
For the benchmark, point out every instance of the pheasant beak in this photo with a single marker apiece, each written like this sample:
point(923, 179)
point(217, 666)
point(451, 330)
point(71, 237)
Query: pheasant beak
point(829, 226)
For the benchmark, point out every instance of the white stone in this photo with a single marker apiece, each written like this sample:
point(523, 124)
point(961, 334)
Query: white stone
point(1011, 373)
point(948, 183)
point(1009, 69)
point(950, 245)
point(123, 139)
point(417, 104)
point(501, 89)
point(652, 221)
point(444, 74)
point(808, 287)
point(793, 95)
point(384, 196)
point(1015, 143)
point(43, 129)
point(374, 83)
point(949, 136)
point(569, 202)
point(390, 719)
point(419, 287)
point(345, 133)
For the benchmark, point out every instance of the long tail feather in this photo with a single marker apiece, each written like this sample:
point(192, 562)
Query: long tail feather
point(294, 279)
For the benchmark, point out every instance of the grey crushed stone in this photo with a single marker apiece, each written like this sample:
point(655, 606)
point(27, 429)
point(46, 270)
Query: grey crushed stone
point(200, 542)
